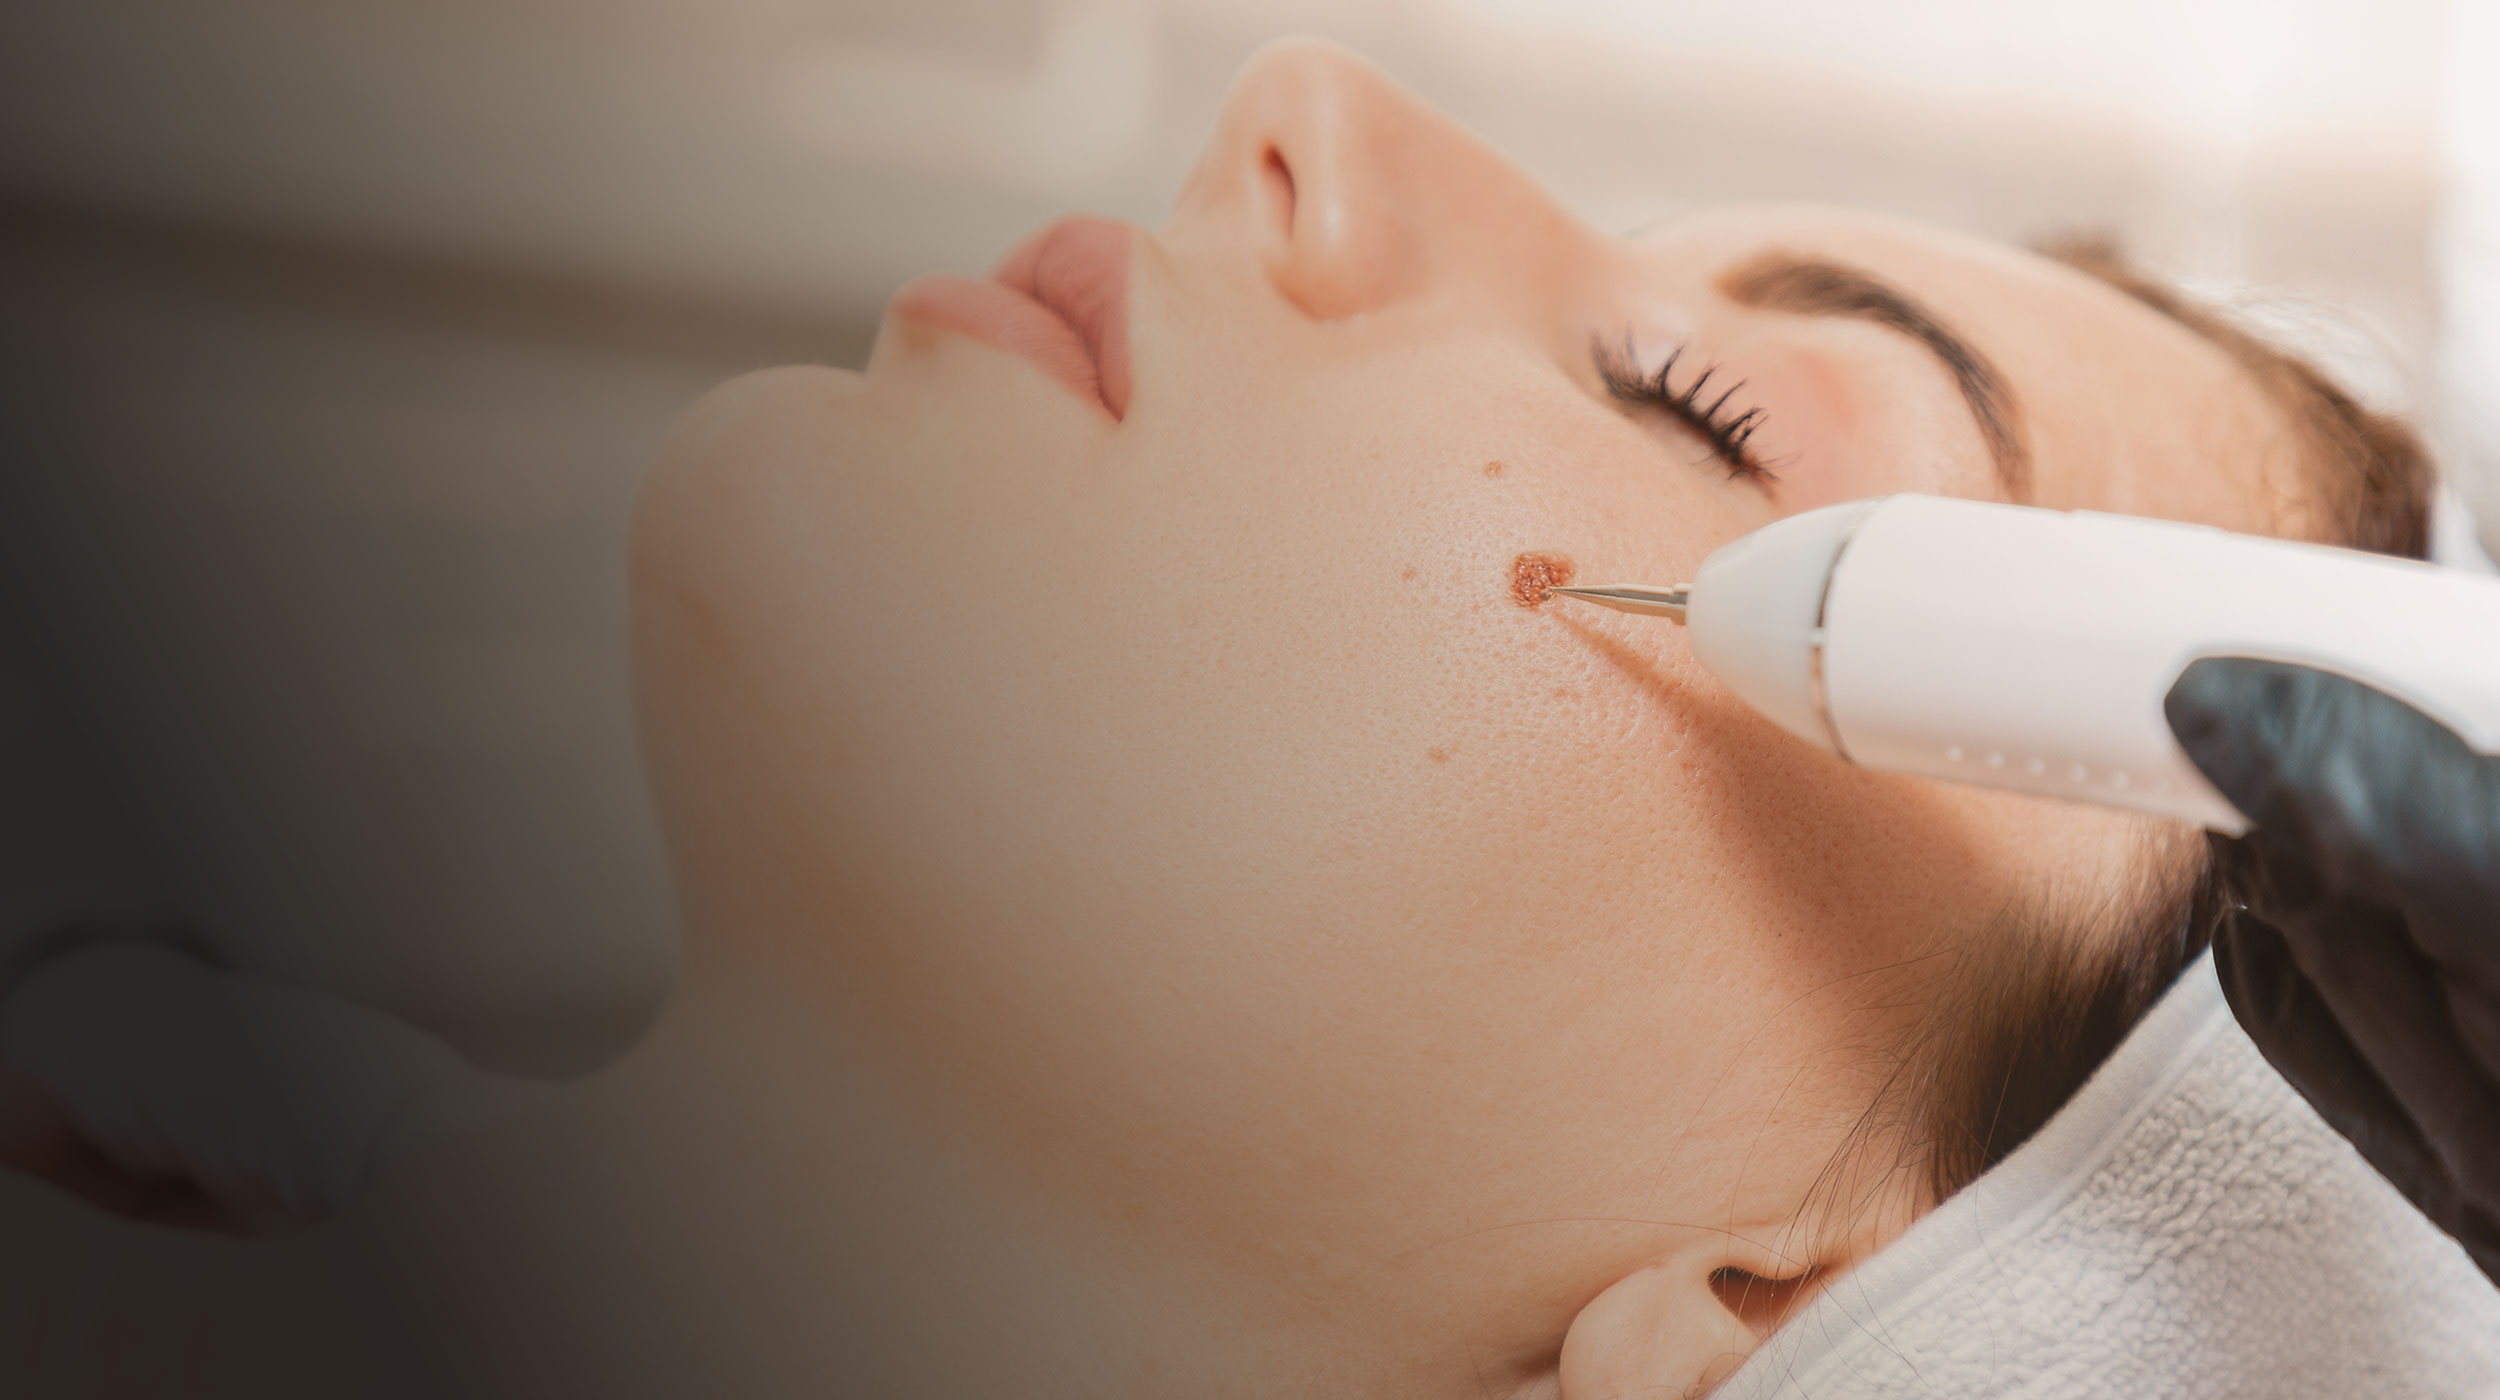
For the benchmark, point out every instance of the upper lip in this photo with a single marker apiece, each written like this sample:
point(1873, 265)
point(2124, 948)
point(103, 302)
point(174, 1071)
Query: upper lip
point(1077, 268)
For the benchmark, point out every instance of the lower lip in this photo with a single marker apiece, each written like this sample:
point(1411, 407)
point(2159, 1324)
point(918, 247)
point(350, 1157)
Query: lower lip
point(1059, 303)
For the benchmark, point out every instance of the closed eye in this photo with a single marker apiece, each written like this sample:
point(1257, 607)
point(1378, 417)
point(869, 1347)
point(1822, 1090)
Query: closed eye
point(1730, 435)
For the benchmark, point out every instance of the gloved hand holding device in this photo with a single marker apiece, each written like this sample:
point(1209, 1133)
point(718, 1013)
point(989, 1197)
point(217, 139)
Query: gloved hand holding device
point(2038, 650)
point(2366, 963)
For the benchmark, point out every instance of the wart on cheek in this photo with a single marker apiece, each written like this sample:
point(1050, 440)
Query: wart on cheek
point(1534, 577)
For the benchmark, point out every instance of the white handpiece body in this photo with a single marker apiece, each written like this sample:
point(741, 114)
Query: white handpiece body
point(2031, 649)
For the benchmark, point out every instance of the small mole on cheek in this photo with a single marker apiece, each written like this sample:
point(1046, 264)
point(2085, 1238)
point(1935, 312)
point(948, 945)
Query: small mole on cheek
point(1407, 573)
point(1493, 468)
point(1534, 576)
point(1437, 755)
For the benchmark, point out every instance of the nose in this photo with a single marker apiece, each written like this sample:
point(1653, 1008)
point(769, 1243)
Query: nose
point(1359, 196)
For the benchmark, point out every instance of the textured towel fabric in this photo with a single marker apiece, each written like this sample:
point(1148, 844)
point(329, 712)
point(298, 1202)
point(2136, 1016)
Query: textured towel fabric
point(2185, 1227)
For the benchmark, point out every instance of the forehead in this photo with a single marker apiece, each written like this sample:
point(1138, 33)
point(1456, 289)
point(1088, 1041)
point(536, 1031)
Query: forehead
point(2124, 408)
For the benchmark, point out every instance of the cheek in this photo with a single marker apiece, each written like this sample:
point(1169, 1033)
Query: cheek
point(1215, 788)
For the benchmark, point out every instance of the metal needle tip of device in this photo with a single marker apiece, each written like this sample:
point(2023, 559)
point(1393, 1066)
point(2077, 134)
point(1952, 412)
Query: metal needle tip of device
point(1634, 598)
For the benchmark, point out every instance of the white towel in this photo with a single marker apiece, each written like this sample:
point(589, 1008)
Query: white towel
point(2187, 1226)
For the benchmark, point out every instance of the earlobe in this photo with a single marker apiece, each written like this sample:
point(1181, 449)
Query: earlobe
point(1674, 1328)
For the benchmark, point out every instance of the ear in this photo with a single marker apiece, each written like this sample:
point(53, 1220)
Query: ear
point(1674, 1328)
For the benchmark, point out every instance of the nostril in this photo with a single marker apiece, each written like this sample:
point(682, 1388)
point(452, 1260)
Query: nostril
point(1277, 176)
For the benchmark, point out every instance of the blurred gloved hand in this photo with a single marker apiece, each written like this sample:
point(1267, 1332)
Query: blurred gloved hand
point(2366, 963)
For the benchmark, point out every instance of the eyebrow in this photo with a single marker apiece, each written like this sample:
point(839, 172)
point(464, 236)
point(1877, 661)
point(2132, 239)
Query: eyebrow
point(1779, 281)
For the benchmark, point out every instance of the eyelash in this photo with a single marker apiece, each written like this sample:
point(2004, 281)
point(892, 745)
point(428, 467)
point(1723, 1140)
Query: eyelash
point(1730, 439)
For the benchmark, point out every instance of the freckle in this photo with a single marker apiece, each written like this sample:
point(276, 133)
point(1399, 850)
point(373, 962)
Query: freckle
point(1407, 573)
point(1563, 692)
point(1534, 576)
point(1493, 468)
point(1437, 755)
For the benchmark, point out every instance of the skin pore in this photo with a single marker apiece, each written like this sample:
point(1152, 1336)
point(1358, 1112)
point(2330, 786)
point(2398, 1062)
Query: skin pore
point(1167, 914)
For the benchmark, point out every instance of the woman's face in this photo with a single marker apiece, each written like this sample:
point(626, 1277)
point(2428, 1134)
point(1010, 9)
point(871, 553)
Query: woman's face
point(1190, 805)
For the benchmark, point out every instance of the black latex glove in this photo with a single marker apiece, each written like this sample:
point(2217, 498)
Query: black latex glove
point(2366, 964)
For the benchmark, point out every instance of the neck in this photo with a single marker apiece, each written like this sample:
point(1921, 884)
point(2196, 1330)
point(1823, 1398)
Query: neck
point(745, 1199)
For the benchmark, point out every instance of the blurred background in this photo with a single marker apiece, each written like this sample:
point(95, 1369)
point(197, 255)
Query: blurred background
point(337, 335)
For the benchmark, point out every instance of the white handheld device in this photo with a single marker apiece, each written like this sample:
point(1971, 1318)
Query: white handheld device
point(2031, 649)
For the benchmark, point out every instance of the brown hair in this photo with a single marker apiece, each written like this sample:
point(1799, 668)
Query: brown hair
point(2025, 1019)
